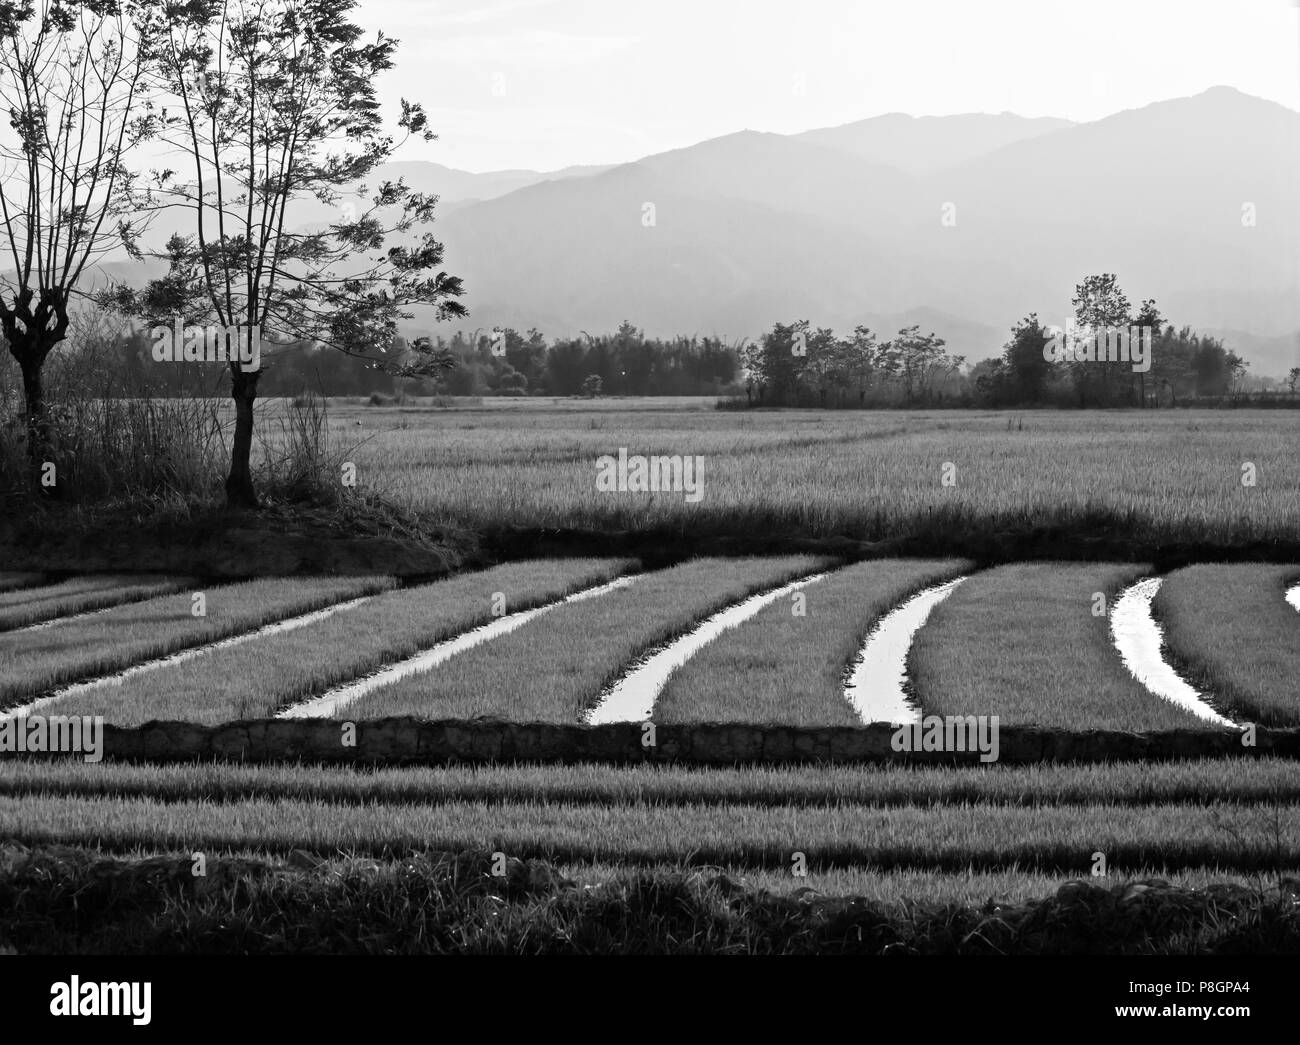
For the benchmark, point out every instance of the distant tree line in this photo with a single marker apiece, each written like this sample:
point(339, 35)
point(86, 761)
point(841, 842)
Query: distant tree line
point(793, 364)
point(798, 365)
point(477, 363)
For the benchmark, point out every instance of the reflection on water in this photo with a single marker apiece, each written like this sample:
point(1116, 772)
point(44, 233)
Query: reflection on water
point(632, 698)
point(877, 686)
point(1138, 638)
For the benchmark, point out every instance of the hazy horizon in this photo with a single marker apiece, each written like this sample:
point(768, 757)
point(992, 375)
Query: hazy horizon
point(547, 84)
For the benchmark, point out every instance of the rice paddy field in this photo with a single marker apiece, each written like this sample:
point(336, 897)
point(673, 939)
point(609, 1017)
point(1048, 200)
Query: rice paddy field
point(1141, 478)
point(777, 642)
point(408, 850)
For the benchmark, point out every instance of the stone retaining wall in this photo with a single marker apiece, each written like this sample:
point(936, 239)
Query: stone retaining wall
point(403, 741)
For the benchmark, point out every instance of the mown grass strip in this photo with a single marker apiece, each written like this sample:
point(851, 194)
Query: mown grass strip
point(79, 596)
point(37, 662)
point(784, 667)
point(259, 679)
point(1230, 631)
point(13, 581)
point(555, 668)
point(1273, 781)
point(1022, 642)
point(1059, 839)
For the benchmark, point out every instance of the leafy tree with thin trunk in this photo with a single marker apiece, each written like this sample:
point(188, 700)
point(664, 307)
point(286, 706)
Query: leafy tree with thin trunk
point(274, 101)
point(1099, 306)
point(73, 82)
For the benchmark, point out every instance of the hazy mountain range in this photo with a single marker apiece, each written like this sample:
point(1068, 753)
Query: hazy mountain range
point(845, 225)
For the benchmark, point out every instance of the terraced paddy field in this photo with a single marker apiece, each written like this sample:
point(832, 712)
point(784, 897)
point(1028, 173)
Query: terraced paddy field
point(1183, 838)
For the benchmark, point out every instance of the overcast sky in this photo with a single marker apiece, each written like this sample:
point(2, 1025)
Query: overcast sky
point(547, 83)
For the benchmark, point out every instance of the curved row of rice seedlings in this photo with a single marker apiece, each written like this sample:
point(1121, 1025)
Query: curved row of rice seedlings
point(1230, 630)
point(942, 837)
point(59, 589)
point(1030, 643)
point(333, 701)
point(632, 698)
point(81, 595)
point(37, 662)
point(788, 663)
point(1226, 780)
point(555, 668)
point(259, 679)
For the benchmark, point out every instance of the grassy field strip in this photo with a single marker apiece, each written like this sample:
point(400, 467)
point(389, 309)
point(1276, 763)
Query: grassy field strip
point(1139, 641)
point(632, 698)
point(261, 678)
point(950, 837)
point(336, 699)
point(1218, 781)
point(893, 887)
point(36, 664)
point(866, 474)
point(1026, 642)
point(555, 667)
point(788, 662)
point(60, 605)
point(877, 686)
point(1229, 631)
point(13, 581)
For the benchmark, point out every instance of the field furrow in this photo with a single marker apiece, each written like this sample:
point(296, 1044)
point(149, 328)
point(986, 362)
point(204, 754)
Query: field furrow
point(1230, 630)
point(788, 663)
point(1030, 643)
point(36, 662)
point(950, 837)
point(555, 668)
point(22, 609)
point(1274, 782)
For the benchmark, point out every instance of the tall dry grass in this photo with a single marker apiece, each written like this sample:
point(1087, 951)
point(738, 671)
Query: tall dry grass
point(117, 440)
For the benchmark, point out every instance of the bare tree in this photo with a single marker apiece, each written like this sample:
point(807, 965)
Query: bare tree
point(72, 81)
point(275, 101)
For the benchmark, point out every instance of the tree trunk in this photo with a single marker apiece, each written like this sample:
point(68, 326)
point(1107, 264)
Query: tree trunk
point(38, 420)
point(39, 444)
point(41, 329)
point(239, 483)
